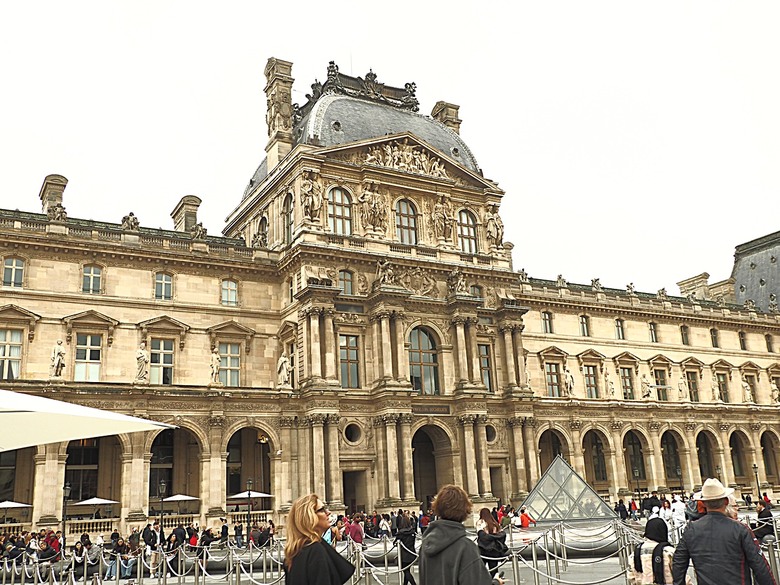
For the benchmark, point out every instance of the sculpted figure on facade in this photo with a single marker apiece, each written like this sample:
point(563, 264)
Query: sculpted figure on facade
point(775, 392)
point(362, 284)
point(130, 222)
point(647, 391)
point(283, 369)
point(198, 232)
point(385, 274)
point(568, 379)
point(419, 282)
point(373, 207)
point(57, 359)
point(456, 282)
point(595, 285)
point(215, 365)
point(311, 196)
point(715, 389)
point(494, 227)
point(57, 213)
point(142, 362)
point(682, 389)
point(442, 218)
point(522, 276)
point(609, 385)
point(747, 391)
point(662, 294)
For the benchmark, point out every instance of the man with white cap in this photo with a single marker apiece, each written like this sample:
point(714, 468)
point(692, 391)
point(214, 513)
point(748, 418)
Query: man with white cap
point(723, 551)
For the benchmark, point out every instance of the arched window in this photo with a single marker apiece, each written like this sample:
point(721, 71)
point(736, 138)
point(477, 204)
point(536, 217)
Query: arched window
point(92, 279)
point(345, 282)
point(288, 220)
point(406, 222)
point(423, 362)
point(81, 471)
point(467, 231)
point(229, 293)
point(161, 465)
point(340, 212)
point(13, 272)
point(163, 286)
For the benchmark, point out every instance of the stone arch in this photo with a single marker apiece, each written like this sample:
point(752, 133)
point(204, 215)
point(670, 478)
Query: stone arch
point(741, 447)
point(432, 459)
point(707, 447)
point(251, 453)
point(439, 335)
point(262, 425)
point(770, 454)
point(597, 453)
point(672, 458)
point(552, 441)
point(183, 424)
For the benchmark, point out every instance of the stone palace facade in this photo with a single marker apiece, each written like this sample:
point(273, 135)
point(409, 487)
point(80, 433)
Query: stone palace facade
point(359, 331)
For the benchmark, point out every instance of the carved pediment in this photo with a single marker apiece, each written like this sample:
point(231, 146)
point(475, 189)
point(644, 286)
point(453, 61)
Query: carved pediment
point(692, 363)
point(589, 356)
point(722, 365)
point(15, 315)
point(288, 329)
point(624, 357)
point(90, 320)
point(164, 325)
point(750, 368)
point(231, 329)
point(553, 353)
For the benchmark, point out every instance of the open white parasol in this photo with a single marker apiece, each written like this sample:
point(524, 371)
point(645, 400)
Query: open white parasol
point(8, 504)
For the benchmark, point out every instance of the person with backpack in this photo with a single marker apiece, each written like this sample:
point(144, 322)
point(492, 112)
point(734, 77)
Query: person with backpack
point(425, 519)
point(653, 557)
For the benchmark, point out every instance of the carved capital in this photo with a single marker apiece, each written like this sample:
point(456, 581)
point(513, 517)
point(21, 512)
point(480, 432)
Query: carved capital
point(575, 425)
point(724, 427)
point(458, 320)
point(516, 421)
point(467, 419)
point(482, 419)
point(616, 425)
point(285, 422)
point(217, 421)
point(390, 418)
point(317, 419)
point(406, 418)
point(529, 421)
point(399, 316)
point(690, 426)
point(754, 426)
point(377, 422)
point(654, 425)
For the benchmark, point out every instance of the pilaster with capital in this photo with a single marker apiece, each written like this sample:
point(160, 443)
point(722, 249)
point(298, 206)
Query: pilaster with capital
point(303, 318)
point(656, 458)
point(285, 463)
point(315, 349)
point(517, 469)
point(509, 355)
point(381, 456)
point(618, 455)
point(317, 423)
point(393, 483)
point(475, 374)
point(335, 481)
point(49, 481)
point(483, 463)
point(756, 452)
point(529, 424)
point(692, 460)
point(517, 338)
point(726, 466)
point(135, 469)
point(461, 361)
point(578, 459)
point(407, 464)
point(469, 449)
point(304, 462)
point(330, 345)
point(399, 322)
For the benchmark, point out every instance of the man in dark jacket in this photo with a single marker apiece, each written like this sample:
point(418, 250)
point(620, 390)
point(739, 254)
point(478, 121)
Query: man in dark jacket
point(764, 525)
point(722, 550)
point(447, 555)
point(649, 503)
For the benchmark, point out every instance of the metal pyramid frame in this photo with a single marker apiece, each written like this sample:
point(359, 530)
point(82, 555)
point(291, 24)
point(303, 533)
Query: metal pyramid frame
point(562, 495)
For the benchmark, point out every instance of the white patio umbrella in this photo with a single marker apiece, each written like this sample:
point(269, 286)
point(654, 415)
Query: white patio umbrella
point(179, 498)
point(9, 504)
point(250, 494)
point(53, 421)
point(97, 502)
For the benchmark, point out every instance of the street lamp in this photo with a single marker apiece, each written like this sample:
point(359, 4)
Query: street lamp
point(758, 485)
point(248, 505)
point(65, 497)
point(679, 478)
point(161, 487)
point(636, 479)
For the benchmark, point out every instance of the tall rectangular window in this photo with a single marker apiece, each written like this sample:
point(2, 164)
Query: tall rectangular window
point(161, 357)
point(88, 355)
point(723, 386)
point(350, 362)
point(485, 366)
point(10, 353)
point(91, 279)
point(229, 293)
point(770, 346)
point(714, 338)
point(584, 325)
point(552, 372)
point(291, 356)
point(620, 331)
point(627, 382)
point(653, 332)
point(163, 286)
point(693, 384)
point(751, 380)
point(13, 272)
point(659, 376)
point(230, 366)
point(7, 474)
point(547, 322)
point(590, 373)
point(742, 340)
point(685, 335)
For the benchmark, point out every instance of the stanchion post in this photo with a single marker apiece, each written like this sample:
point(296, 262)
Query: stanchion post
point(564, 553)
point(535, 559)
point(547, 565)
point(770, 542)
point(556, 554)
point(400, 564)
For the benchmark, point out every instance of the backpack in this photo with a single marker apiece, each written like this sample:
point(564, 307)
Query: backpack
point(194, 540)
point(694, 509)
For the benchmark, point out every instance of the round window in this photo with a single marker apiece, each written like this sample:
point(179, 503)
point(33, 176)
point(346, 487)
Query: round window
point(353, 433)
point(490, 431)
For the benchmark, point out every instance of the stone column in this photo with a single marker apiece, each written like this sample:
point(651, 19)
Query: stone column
point(693, 473)
point(49, 482)
point(314, 326)
point(757, 453)
point(723, 453)
point(386, 351)
point(509, 355)
point(529, 445)
point(330, 345)
point(303, 317)
point(517, 471)
point(461, 371)
point(318, 453)
point(400, 345)
point(657, 457)
point(380, 468)
point(377, 343)
point(578, 460)
point(468, 449)
point(393, 483)
point(517, 336)
point(135, 488)
point(304, 465)
point(407, 463)
point(619, 457)
point(335, 478)
point(476, 373)
point(483, 462)
point(285, 465)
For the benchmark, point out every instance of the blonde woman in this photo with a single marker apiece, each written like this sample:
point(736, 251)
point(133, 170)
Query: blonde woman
point(309, 560)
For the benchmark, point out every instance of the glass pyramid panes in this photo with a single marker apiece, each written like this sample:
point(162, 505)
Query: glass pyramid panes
point(561, 494)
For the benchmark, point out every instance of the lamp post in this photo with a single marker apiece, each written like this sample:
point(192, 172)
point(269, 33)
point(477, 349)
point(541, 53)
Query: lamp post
point(65, 497)
point(248, 504)
point(161, 487)
point(679, 478)
point(758, 485)
point(636, 479)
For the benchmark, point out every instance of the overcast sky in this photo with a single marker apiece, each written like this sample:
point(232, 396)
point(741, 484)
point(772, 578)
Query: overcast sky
point(636, 141)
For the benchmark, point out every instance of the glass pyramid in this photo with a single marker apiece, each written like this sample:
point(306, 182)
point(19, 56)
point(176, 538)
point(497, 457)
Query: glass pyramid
point(561, 494)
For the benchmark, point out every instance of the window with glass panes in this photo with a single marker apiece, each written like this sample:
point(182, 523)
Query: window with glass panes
point(714, 338)
point(348, 358)
point(230, 366)
point(751, 380)
point(345, 281)
point(467, 232)
point(742, 340)
point(653, 332)
point(91, 279)
point(693, 384)
point(163, 286)
point(547, 322)
point(7, 474)
point(770, 346)
point(627, 382)
point(229, 293)
point(590, 372)
point(584, 325)
point(405, 222)
point(161, 361)
point(340, 212)
point(81, 468)
point(659, 376)
point(723, 385)
point(552, 372)
point(423, 362)
point(685, 335)
point(620, 332)
point(161, 464)
point(13, 272)
point(10, 353)
point(599, 461)
point(89, 348)
point(485, 366)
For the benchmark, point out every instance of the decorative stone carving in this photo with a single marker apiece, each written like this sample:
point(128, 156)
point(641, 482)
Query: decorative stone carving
point(311, 195)
point(286, 422)
point(467, 419)
point(317, 419)
point(442, 218)
point(283, 369)
point(522, 276)
point(142, 363)
point(690, 426)
point(724, 426)
point(215, 364)
point(385, 274)
point(654, 425)
point(747, 391)
point(755, 427)
point(198, 232)
point(616, 425)
point(406, 418)
point(595, 285)
point(560, 282)
point(494, 227)
point(216, 421)
point(630, 290)
point(750, 305)
point(57, 359)
point(420, 282)
point(57, 212)
point(406, 157)
point(662, 294)
point(373, 207)
point(456, 282)
point(362, 284)
point(575, 425)
point(130, 223)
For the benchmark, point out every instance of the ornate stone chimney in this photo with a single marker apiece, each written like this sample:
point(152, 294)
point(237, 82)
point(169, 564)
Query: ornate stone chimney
point(447, 114)
point(278, 92)
point(185, 214)
point(51, 192)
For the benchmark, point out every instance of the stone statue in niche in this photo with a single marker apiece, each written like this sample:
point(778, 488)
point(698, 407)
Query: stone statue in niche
point(682, 389)
point(715, 389)
point(747, 391)
point(456, 282)
point(568, 379)
point(775, 392)
point(609, 385)
point(57, 359)
point(142, 362)
point(647, 391)
point(283, 369)
point(362, 284)
point(494, 227)
point(215, 364)
point(442, 218)
point(130, 222)
point(373, 207)
point(311, 196)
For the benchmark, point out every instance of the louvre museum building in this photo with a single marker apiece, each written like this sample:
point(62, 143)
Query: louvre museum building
point(359, 330)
